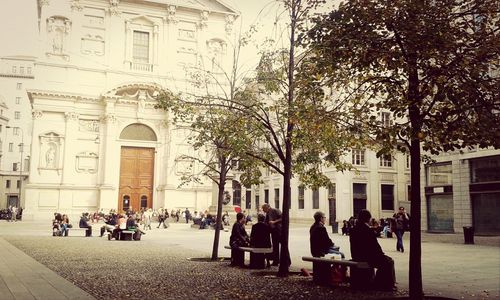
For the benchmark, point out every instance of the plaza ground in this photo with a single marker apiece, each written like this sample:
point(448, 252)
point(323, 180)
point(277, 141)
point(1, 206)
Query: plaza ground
point(35, 265)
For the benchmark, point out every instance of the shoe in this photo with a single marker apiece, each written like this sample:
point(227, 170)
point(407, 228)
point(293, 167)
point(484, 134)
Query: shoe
point(402, 250)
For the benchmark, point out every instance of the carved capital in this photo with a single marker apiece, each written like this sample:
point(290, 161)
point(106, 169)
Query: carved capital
point(113, 8)
point(71, 116)
point(203, 19)
point(171, 14)
point(37, 114)
point(229, 24)
point(109, 118)
point(44, 2)
point(76, 5)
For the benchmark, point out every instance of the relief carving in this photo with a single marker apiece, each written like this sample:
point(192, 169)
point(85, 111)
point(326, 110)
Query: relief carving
point(58, 29)
point(71, 116)
point(89, 125)
point(37, 114)
point(171, 17)
point(229, 24)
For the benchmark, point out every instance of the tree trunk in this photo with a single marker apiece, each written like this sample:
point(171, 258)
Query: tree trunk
point(220, 196)
point(285, 260)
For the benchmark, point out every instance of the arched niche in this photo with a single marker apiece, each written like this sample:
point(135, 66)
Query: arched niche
point(139, 132)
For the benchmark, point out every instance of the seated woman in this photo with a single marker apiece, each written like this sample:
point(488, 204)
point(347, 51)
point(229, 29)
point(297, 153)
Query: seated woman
point(239, 238)
point(65, 225)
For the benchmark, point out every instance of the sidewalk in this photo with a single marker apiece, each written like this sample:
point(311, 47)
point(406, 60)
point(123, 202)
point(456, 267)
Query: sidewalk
point(23, 278)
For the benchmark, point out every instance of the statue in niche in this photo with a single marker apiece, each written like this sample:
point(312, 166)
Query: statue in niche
point(50, 157)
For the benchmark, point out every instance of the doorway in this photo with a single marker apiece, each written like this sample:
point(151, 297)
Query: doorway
point(136, 178)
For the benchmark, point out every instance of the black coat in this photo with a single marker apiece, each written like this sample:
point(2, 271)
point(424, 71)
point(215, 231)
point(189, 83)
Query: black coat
point(239, 235)
point(319, 240)
point(260, 237)
point(364, 244)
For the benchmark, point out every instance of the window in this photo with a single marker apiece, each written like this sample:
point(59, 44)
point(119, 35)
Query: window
point(439, 174)
point(144, 201)
point(21, 70)
point(29, 70)
point(266, 196)
point(358, 197)
point(141, 47)
point(18, 100)
point(385, 118)
point(19, 85)
point(277, 198)
point(485, 169)
point(17, 115)
point(387, 196)
point(386, 161)
point(15, 130)
point(7, 183)
point(257, 201)
point(409, 192)
point(11, 147)
point(14, 69)
point(301, 197)
point(236, 193)
point(407, 161)
point(18, 183)
point(315, 199)
point(358, 157)
point(14, 167)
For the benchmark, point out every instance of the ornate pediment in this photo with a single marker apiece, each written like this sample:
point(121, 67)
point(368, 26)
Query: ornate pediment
point(136, 91)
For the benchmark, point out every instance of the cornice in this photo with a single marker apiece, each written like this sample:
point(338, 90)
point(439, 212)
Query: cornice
point(61, 95)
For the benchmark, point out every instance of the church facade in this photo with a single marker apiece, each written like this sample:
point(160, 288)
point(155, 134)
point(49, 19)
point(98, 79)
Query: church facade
point(97, 140)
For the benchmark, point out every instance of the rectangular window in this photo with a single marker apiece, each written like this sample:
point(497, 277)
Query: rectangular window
point(18, 100)
point(17, 115)
point(358, 197)
point(15, 130)
point(315, 199)
point(29, 70)
point(385, 118)
point(11, 147)
point(386, 161)
point(485, 169)
point(19, 86)
point(14, 69)
point(277, 198)
point(21, 70)
point(439, 174)
point(141, 47)
point(7, 183)
point(14, 167)
point(257, 202)
point(18, 183)
point(248, 199)
point(387, 196)
point(358, 157)
point(301, 197)
point(266, 196)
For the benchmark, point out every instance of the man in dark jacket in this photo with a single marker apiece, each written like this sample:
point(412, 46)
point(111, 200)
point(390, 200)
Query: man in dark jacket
point(260, 237)
point(84, 224)
point(365, 247)
point(273, 220)
point(320, 242)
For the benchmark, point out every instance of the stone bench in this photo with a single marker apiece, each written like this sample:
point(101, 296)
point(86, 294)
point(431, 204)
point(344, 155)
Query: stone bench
point(361, 274)
point(257, 255)
point(123, 235)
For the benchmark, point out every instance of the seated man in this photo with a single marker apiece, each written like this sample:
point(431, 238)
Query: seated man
point(365, 247)
point(260, 237)
point(110, 223)
point(84, 224)
point(320, 242)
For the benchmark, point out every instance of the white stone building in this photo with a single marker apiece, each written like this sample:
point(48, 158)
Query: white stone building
point(16, 76)
point(97, 140)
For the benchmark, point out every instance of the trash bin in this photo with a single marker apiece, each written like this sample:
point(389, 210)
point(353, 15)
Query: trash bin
point(468, 235)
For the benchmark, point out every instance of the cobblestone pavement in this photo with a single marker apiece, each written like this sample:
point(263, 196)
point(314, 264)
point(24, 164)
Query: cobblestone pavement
point(157, 268)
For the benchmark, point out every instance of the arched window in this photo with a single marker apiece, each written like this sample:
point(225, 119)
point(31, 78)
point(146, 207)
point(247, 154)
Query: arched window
point(144, 201)
point(126, 202)
point(139, 132)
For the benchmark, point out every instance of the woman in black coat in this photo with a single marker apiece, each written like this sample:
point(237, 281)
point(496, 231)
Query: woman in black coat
point(239, 238)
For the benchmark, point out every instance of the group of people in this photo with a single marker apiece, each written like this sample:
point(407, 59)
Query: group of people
point(61, 224)
point(114, 224)
point(13, 213)
point(266, 233)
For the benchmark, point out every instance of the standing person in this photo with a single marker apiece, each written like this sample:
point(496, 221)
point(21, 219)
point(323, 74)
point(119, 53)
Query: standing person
point(273, 219)
point(161, 218)
point(401, 224)
point(187, 215)
point(147, 215)
point(365, 247)
point(320, 242)
point(13, 214)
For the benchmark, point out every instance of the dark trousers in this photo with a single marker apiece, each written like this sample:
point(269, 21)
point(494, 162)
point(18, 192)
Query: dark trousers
point(88, 232)
point(276, 239)
point(399, 243)
point(237, 258)
point(385, 278)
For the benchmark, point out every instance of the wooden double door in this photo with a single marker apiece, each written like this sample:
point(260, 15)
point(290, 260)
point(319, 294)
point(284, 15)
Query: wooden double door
point(136, 178)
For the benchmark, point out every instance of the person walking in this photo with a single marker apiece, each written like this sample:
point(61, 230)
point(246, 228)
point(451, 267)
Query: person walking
point(273, 220)
point(187, 214)
point(401, 224)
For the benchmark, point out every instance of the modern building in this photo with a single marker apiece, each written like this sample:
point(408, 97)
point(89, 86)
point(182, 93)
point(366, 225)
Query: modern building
point(97, 141)
point(16, 76)
point(463, 189)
